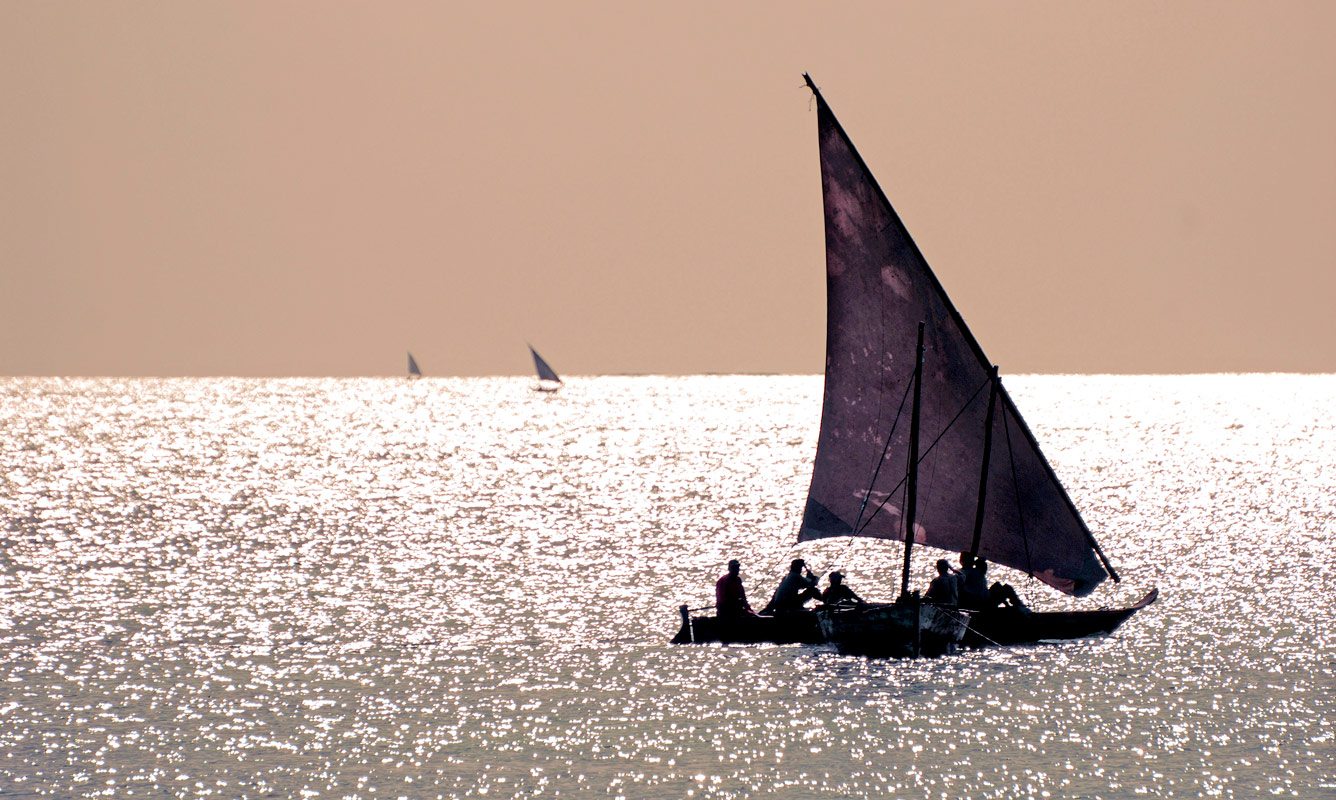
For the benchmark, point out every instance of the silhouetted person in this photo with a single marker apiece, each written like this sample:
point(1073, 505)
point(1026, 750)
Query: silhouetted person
point(997, 595)
point(838, 592)
point(730, 599)
point(1001, 594)
point(972, 582)
point(942, 590)
point(794, 590)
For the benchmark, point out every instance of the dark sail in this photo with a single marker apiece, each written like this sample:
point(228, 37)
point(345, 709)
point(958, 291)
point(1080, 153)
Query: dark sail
point(413, 370)
point(545, 372)
point(879, 287)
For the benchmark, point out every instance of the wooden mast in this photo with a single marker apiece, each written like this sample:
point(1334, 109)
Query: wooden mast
point(983, 474)
point(911, 486)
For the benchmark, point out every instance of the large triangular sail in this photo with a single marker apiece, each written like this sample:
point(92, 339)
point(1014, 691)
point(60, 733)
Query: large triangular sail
point(545, 372)
point(413, 371)
point(879, 287)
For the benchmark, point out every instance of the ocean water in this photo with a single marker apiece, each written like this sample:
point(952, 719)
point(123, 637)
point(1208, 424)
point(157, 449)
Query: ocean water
point(463, 588)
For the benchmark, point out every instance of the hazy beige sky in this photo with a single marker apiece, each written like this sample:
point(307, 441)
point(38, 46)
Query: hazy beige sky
point(313, 188)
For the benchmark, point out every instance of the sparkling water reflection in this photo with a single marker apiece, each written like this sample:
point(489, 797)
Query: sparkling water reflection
point(462, 588)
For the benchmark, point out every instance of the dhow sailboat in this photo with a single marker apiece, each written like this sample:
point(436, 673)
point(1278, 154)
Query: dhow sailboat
point(908, 393)
point(548, 380)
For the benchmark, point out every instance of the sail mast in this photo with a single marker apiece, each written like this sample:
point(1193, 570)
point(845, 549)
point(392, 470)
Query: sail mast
point(911, 486)
point(983, 473)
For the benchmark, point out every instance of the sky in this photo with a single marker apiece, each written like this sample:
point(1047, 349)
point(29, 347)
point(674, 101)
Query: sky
point(314, 188)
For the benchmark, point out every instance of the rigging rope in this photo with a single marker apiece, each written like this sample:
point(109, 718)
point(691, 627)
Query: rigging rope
point(909, 384)
point(924, 454)
point(965, 619)
point(899, 412)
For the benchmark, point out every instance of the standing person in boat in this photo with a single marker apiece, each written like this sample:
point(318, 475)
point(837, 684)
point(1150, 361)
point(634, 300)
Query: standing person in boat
point(795, 590)
point(942, 590)
point(730, 599)
point(972, 583)
point(838, 592)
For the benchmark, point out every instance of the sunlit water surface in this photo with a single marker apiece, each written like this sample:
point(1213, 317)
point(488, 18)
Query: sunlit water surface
point(463, 588)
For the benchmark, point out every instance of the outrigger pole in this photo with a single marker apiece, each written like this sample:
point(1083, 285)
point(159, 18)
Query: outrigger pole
point(911, 488)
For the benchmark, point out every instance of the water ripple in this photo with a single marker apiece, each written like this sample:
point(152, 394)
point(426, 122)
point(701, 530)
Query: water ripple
point(460, 588)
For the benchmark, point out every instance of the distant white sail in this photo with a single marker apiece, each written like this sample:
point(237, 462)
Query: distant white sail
point(546, 375)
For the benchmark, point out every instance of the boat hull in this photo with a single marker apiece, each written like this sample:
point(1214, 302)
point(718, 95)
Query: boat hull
point(894, 630)
point(1010, 626)
point(887, 630)
point(790, 629)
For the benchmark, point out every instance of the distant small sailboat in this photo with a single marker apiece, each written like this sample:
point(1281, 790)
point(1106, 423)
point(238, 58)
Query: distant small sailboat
point(413, 370)
point(548, 380)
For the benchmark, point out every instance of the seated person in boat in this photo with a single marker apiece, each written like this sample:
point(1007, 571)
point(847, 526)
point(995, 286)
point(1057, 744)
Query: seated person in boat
point(999, 595)
point(730, 599)
point(972, 582)
point(838, 592)
point(942, 590)
point(795, 590)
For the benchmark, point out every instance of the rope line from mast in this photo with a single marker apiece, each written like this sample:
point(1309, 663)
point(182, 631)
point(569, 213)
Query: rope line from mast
point(909, 384)
point(965, 620)
point(924, 455)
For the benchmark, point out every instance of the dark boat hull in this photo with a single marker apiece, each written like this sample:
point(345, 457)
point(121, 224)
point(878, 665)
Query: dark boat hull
point(887, 630)
point(893, 630)
point(1008, 626)
point(794, 629)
